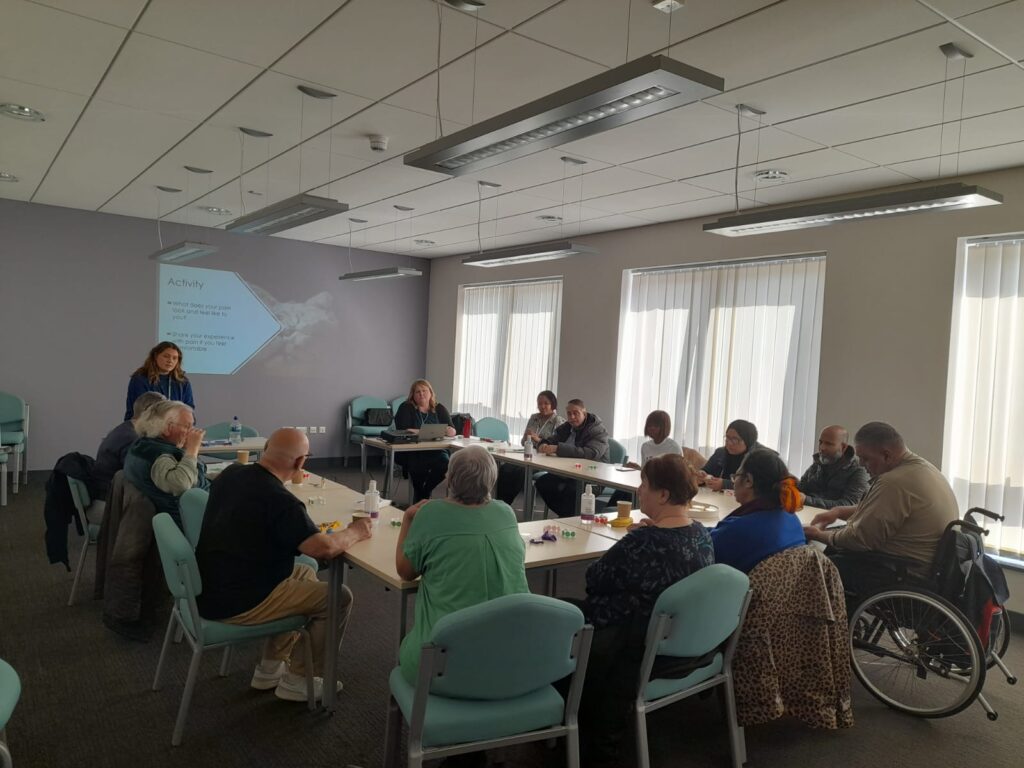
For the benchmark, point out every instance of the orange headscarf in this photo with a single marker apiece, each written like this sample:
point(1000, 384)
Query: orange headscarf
point(789, 495)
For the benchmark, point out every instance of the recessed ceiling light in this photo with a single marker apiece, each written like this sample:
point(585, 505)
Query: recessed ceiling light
point(18, 112)
point(5, 176)
point(196, 169)
point(424, 242)
point(549, 217)
point(771, 174)
point(215, 210)
point(162, 188)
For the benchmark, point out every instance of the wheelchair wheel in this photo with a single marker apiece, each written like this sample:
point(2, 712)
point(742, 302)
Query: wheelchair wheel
point(915, 652)
point(999, 636)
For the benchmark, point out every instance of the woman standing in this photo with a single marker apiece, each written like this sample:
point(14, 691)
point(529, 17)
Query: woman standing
point(541, 425)
point(425, 468)
point(161, 372)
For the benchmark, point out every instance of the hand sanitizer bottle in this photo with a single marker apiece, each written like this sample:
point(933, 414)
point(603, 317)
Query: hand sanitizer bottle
point(371, 501)
point(587, 505)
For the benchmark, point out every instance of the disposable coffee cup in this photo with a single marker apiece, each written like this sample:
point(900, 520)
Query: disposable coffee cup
point(242, 457)
point(625, 507)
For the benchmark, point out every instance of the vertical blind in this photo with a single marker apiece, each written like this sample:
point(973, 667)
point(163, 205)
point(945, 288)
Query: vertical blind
point(709, 344)
point(983, 455)
point(507, 349)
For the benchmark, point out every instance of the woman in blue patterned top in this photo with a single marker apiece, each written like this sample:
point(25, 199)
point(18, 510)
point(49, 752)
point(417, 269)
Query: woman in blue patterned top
point(622, 588)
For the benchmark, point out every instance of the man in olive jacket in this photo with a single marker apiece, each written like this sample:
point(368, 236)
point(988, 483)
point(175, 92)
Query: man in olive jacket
point(582, 436)
point(836, 478)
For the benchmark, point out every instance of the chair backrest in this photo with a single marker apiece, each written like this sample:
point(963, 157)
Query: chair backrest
point(616, 452)
point(705, 609)
point(493, 429)
point(506, 647)
point(10, 692)
point(222, 431)
point(359, 405)
point(79, 496)
point(397, 403)
point(12, 413)
point(177, 557)
point(192, 505)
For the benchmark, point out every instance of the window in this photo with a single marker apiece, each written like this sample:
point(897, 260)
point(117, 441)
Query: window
point(983, 454)
point(506, 348)
point(710, 344)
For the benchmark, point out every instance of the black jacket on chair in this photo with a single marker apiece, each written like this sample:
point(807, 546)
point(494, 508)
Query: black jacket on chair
point(59, 509)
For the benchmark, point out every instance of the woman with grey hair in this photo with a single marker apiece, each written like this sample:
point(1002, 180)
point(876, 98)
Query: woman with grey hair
point(465, 549)
point(163, 463)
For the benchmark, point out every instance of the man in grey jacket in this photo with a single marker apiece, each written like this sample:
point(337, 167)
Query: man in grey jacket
point(836, 478)
point(582, 436)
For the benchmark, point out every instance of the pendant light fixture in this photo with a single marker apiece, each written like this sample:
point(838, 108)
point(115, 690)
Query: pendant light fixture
point(179, 252)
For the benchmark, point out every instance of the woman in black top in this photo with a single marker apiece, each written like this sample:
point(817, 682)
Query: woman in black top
point(740, 440)
point(425, 468)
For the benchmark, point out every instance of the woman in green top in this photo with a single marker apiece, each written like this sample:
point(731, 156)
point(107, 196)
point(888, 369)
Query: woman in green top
point(465, 549)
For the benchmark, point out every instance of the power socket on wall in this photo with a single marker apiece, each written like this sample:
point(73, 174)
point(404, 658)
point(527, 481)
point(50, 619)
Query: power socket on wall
point(322, 430)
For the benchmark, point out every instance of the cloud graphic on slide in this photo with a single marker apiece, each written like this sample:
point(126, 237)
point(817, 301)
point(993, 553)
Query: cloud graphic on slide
point(291, 351)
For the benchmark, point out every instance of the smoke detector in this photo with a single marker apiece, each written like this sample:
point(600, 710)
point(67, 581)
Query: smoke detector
point(667, 6)
point(378, 143)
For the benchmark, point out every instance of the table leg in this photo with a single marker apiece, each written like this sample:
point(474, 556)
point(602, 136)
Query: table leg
point(579, 494)
point(335, 581)
point(403, 619)
point(389, 470)
point(528, 493)
point(362, 464)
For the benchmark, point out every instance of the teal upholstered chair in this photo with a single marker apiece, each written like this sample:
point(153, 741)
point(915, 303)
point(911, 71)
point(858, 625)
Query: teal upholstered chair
point(356, 427)
point(185, 584)
point(492, 429)
point(222, 431)
point(3, 478)
point(616, 455)
point(698, 622)
point(90, 517)
point(396, 403)
point(10, 692)
point(14, 434)
point(485, 680)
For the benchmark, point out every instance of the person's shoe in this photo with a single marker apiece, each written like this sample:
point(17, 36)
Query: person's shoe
point(292, 687)
point(267, 675)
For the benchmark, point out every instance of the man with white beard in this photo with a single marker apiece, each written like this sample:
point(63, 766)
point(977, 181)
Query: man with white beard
point(835, 478)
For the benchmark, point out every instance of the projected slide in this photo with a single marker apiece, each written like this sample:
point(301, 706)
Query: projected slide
point(214, 316)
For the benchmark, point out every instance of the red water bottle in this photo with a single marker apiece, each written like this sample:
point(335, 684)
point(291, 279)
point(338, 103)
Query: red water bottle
point(466, 427)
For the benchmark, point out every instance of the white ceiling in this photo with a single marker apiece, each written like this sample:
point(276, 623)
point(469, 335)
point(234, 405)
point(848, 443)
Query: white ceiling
point(134, 90)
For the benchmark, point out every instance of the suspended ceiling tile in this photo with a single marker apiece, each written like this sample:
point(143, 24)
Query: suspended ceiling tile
point(899, 65)
point(974, 161)
point(709, 206)
point(898, 147)
point(527, 222)
point(373, 48)
point(608, 223)
point(1001, 26)
point(508, 15)
point(405, 131)
point(379, 182)
point(111, 144)
point(595, 186)
point(989, 130)
point(994, 90)
point(686, 126)
point(158, 76)
point(541, 167)
point(46, 47)
point(811, 165)
point(26, 148)
point(765, 144)
point(854, 181)
point(120, 13)
point(640, 200)
point(253, 31)
point(457, 94)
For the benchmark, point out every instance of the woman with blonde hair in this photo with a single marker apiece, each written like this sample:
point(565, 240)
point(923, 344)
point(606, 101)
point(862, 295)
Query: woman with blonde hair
point(426, 469)
point(160, 372)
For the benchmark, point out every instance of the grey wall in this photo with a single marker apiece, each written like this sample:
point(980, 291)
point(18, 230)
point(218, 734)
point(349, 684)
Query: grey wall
point(885, 329)
point(78, 315)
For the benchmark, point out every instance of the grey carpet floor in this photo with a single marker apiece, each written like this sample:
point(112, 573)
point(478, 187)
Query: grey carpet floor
point(86, 697)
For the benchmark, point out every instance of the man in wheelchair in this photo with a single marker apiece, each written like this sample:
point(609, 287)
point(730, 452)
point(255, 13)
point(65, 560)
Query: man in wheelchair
point(891, 536)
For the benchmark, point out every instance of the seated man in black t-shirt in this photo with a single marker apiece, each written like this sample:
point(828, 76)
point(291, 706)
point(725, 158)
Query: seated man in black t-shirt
point(252, 530)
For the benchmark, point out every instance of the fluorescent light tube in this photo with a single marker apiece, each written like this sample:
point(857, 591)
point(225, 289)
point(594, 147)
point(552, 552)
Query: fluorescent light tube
point(944, 197)
point(633, 91)
point(382, 274)
point(522, 254)
point(287, 214)
point(185, 251)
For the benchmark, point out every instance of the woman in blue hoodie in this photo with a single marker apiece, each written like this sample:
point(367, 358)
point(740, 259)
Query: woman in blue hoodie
point(765, 522)
point(161, 372)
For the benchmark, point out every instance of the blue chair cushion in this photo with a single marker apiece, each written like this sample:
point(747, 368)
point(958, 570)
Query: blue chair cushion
point(10, 692)
point(11, 438)
point(456, 721)
point(367, 431)
point(662, 687)
point(215, 632)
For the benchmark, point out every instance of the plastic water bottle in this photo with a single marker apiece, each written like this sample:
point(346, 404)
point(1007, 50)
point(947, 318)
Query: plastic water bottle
point(528, 448)
point(371, 501)
point(587, 502)
point(236, 430)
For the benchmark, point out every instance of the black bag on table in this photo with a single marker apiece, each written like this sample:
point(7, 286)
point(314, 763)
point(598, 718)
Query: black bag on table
point(459, 420)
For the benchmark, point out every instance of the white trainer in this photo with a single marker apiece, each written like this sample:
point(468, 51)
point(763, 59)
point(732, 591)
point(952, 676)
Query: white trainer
point(267, 675)
point(292, 687)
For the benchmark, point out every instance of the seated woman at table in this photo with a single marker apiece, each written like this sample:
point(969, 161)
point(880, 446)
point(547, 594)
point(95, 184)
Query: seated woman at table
point(657, 429)
point(541, 425)
point(163, 462)
point(160, 372)
point(425, 468)
point(466, 549)
point(765, 522)
point(622, 588)
point(740, 439)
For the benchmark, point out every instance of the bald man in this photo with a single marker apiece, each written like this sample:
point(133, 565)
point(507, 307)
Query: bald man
point(836, 478)
point(252, 531)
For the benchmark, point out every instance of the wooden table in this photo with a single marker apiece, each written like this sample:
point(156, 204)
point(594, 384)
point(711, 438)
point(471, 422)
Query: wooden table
point(376, 556)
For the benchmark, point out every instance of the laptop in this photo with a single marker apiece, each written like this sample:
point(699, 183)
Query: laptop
point(433, 432)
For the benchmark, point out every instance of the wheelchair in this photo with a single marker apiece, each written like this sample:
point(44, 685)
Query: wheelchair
point(924, 647)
